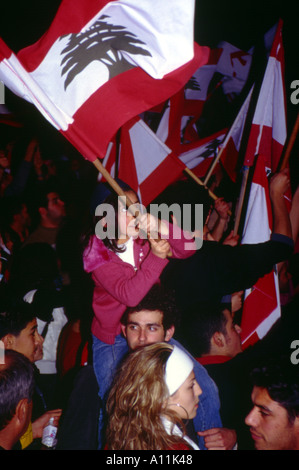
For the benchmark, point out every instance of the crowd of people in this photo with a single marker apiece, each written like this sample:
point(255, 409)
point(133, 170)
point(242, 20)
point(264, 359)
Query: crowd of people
point(133, 341)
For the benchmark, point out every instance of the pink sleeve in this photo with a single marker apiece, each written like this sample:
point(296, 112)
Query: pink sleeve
point(125, 284)
point(182, 243)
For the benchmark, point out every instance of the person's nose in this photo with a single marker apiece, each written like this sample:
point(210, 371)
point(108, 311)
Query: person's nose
point(198, 389)
point(142, 335)
point(252, 418)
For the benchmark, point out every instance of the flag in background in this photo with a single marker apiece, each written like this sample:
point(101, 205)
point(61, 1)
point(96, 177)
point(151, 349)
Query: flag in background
point(99, 57)
point(266, 141)
point(269, 130)
point(197, 156)
point(234, 64)
point(144, 162)
point(230, 147)
point(177, 124)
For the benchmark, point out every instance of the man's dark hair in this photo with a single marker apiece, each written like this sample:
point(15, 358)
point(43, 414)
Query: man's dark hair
point(161, 299)
point(186, 192)
point(14, 317)
point(201, 321)
point(16, 383)
point(281, 380)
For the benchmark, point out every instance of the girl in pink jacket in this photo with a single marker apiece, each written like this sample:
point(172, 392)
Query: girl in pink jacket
point(124, 267)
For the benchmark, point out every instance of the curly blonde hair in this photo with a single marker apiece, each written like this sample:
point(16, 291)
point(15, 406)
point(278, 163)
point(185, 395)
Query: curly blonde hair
point(138, 400)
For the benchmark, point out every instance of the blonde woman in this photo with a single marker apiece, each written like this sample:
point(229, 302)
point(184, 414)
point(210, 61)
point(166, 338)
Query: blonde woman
point(154, 392)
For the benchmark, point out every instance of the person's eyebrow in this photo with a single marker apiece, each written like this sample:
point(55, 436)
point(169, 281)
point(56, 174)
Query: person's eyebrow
point(264, 408)
point(146, 324)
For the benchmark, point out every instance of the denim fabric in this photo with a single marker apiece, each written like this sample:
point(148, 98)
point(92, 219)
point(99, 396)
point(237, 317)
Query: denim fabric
point(208, 415)
point(106, 358)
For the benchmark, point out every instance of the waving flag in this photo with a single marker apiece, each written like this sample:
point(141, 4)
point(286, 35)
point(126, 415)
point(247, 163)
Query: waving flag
point(231, 145)
point(269, 129)
point(101, 63)
point(234, 64)
point(185, 107)
point(144, 162)
point(198, 155)
point(266, 140)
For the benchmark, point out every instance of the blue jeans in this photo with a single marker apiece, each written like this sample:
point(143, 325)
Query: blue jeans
point(208, 412)
point(106, 358)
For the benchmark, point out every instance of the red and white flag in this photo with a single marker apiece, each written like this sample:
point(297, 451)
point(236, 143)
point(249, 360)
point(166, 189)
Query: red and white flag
point(234, 64)
point(144, 162)
point(102, 63)
point(266, 140)
point(231, 145)
point(177, 124)
point(199, 155)
point(269, 130)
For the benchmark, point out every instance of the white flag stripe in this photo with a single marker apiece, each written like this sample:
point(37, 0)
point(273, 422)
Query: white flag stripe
point(256, 217)
point(154, 22)
point(267, 110)
point(22, 84)
point(148, 150)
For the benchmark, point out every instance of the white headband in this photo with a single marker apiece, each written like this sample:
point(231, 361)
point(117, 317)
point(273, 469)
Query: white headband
point(178, 367)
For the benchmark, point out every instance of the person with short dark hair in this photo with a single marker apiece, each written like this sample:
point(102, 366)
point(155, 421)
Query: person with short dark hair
point(18, 331)
point(51, 211)
point(16, 391)
point(154, 320)
point(274, 418)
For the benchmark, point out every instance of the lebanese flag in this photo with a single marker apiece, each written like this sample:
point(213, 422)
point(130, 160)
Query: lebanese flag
point(199, 155)
point(269, 129)
point(234, 64)
point(261, 306)
point(144, 162)
point(266, 141)
point(185, 107)
point(101, 63)
point(231, 145)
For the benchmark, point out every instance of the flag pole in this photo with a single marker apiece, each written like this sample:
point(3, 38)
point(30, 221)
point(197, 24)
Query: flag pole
point(111, 180)
point(241, 199)
point(224, 144)
point(290, 145)
point(198, 181)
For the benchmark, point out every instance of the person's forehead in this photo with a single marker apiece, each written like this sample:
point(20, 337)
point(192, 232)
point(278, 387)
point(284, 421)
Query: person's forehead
point(52, 196)
point(32, 325)
point(146, 316)
point(262, 399)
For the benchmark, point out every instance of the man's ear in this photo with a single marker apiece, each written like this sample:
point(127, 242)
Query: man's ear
point(169, 333)
point(22, 410)
point(218, 339)
point(123, 329)
point(8, 341)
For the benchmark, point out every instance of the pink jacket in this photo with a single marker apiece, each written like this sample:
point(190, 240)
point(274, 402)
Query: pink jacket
point(118, 285)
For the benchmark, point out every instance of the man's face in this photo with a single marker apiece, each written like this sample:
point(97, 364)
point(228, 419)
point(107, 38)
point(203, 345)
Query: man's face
point(145, 327)
point(29, 342)
point(269, 425)
point(232, 336)
point(56, 207)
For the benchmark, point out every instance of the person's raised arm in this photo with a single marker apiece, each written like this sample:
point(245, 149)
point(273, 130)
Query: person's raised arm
point(279, 184)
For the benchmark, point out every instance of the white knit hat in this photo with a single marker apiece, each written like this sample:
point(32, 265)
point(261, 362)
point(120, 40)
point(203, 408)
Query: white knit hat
point(178, 367)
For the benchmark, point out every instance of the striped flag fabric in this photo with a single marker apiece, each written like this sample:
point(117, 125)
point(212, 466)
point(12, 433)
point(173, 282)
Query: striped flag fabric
point(102, 63)
point(199, 155)
point(143, 161)
point(266, 141)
